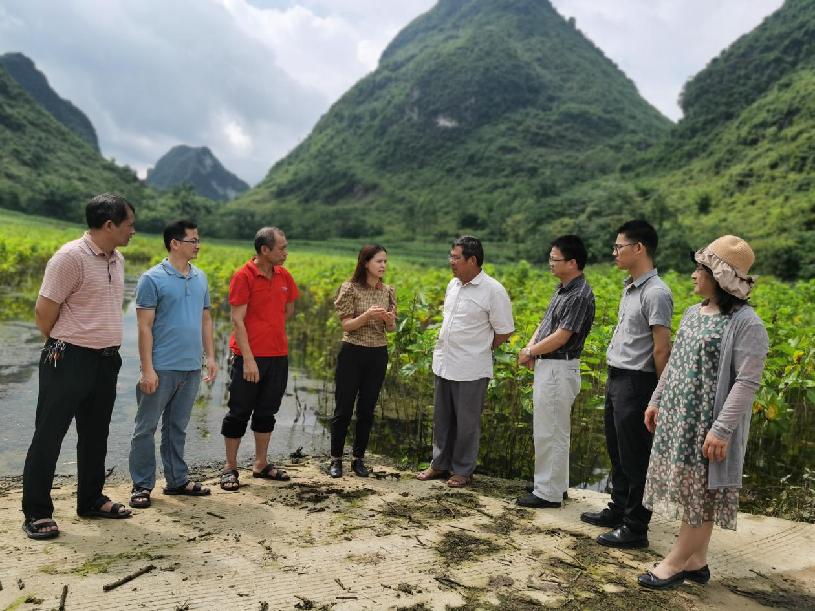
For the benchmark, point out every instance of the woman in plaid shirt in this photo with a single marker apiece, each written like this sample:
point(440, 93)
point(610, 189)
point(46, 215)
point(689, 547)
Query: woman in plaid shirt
point(367, 308)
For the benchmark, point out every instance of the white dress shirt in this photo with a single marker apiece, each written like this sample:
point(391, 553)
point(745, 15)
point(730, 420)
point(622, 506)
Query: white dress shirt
point(473, 314)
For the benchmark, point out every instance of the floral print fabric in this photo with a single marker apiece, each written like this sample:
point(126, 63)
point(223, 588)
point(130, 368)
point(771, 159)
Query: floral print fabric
point(676, 486)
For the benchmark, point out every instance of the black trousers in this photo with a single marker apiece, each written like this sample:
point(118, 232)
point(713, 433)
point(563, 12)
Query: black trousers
point(260, 400)
point(628, 443)
point(359, 376)
point(82, 385)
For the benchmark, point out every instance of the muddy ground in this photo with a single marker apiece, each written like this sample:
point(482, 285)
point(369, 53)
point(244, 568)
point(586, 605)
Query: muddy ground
point(386, 542)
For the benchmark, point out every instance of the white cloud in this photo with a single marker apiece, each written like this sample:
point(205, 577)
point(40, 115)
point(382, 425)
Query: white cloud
point(249, 78)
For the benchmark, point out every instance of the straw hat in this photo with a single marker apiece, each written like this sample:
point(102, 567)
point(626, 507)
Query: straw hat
point(730, 259)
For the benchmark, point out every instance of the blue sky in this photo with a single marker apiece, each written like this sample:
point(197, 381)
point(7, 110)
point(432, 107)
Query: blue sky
point(249, 78)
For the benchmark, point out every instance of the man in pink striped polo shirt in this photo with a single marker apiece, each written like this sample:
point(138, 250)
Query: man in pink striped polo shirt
point(79, 311)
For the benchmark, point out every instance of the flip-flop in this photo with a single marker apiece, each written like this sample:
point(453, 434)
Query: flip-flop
point(196, 490)
point(265, 473)
point(33, 531)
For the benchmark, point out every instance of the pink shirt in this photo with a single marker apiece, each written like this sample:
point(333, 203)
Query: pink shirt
point(89, 286)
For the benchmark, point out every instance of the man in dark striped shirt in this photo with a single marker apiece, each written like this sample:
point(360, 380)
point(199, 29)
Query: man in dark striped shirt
point(554, 352)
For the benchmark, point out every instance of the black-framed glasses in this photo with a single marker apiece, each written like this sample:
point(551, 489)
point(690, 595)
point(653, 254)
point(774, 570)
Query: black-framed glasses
point(553, 260)
point(618, 247)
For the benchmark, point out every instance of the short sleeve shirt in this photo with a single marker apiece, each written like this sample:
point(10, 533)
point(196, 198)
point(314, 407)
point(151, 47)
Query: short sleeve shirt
point(88, 285)
point(473, 314)
point(179, 301)
point(645, 303)
point(353, 299)
point(265, 300)
point(572, 308)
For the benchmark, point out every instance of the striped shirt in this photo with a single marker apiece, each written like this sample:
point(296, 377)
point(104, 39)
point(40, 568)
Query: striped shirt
point(353, 300)
point(571, 308)
point(88, 285)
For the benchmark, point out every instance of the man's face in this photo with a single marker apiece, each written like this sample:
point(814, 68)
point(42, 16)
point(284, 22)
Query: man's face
point(625, 251)
point(277, 254)
point(461, 267)
point(122, 233)
point(558, 264)
point(190, 244)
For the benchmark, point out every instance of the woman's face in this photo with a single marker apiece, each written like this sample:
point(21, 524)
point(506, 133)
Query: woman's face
point(377, 265)
point(703, 283)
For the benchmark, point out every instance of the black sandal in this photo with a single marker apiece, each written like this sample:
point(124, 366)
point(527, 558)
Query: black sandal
point(230, 479)
point(140, 498)
point(33, 531)
point(117, 511)
point(196, 490)
point(265, 473)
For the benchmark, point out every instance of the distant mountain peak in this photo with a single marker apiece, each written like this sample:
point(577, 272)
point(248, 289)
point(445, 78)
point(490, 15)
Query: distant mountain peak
point(199, 168)
point(23, 70)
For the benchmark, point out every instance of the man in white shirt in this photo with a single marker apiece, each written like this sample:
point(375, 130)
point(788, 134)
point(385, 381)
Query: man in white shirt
point(477, 319)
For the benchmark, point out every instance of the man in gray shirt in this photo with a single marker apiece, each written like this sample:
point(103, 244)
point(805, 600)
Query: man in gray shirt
point(636, 356)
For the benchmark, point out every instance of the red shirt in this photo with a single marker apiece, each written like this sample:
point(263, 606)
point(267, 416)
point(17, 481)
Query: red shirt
point(266, 300)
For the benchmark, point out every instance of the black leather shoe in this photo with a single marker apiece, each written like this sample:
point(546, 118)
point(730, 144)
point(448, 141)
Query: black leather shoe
point(623, 537)
point(699, 575)
point(604, 518)
point(649, 580)
point(335, 470)
point(530, 488)
point(530, 500)
point(358, 467)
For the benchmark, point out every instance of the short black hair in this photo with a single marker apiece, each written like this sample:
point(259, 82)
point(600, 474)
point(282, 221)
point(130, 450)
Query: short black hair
point(642, 232)
point(107, 207)
point(470, 247)
point(177, 230)
point(572, 247)
point(266, 236)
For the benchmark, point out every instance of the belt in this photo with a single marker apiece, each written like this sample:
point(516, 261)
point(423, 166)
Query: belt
point(557, 357)
point(616, 371)
point(109, 351)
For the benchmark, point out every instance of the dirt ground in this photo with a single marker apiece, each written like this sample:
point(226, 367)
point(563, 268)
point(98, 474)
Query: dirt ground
point(386, 542)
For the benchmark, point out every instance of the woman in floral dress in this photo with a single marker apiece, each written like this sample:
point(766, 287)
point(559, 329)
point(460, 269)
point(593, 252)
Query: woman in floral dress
point(700, 411)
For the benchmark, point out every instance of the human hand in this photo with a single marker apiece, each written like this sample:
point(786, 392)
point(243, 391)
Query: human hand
point(714, 449)
point(389, 317)
point(148, 381)
point(250, 370)
point(375, 313)
point(524, 356)
point(651, 413)
point(212, 370)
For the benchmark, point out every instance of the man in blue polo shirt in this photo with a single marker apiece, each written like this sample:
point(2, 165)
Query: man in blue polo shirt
point(175, 329)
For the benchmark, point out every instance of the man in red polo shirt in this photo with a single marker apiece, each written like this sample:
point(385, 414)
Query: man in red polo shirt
point(262, 295)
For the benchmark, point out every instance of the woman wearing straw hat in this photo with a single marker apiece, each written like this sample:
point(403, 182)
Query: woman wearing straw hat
point(701, 411)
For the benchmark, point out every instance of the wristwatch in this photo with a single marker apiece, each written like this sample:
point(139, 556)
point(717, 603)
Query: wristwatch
point(528, 352)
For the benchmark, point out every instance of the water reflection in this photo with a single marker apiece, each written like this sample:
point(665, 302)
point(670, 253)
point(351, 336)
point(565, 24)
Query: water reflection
point(20, 345)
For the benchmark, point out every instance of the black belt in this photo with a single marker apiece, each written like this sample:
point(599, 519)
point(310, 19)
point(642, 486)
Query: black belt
point(557, 357)
point(616, 371)
point(109, 351)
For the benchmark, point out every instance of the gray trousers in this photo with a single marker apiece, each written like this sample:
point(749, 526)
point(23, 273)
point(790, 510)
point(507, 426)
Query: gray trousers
point(457, 424)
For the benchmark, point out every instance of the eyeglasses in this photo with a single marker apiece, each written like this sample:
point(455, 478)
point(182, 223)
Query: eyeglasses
point(194, 241)
point(618, 247)
point(553, 260)
point(455, 258)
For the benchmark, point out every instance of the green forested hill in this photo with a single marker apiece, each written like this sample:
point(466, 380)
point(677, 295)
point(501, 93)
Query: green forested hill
point(23, 70)
point(44, 167)
point(479, 114)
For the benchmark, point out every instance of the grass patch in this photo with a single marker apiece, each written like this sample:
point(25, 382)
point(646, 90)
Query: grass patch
point(98, 563)
point(457, 548)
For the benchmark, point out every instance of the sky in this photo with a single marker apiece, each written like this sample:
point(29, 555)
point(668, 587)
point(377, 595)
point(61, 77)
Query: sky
point(250, 78)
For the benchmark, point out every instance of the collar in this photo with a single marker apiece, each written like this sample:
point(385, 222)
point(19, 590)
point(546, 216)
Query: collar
point(256, 270)
point(86, 237)
point(571, 285)
point(171, 271)
point(629, 282)
point(479, 277)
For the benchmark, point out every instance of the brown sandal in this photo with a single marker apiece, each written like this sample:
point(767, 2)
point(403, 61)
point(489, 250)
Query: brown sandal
point(460, 481)
point(431, 473)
